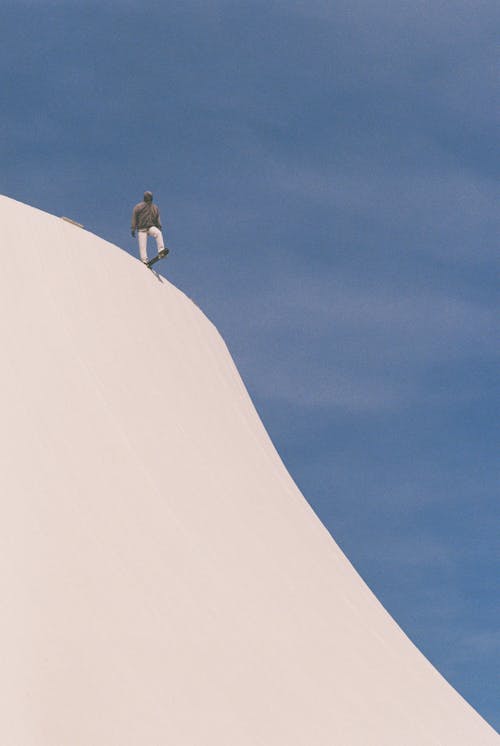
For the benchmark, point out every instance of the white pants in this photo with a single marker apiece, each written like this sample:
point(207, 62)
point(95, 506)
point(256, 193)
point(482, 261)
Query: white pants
point(142, 236)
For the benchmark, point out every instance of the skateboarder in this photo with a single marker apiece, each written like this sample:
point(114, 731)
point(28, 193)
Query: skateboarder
point(146, 221)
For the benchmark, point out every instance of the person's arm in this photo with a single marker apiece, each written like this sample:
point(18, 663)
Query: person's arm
point(158, 221)
point(133, 224)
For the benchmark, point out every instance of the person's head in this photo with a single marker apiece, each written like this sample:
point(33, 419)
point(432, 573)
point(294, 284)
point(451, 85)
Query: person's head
point(148, 196)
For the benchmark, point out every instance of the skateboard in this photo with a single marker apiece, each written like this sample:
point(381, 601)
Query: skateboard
point(157, 258)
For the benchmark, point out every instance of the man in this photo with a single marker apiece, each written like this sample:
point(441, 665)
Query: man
point(146, 221)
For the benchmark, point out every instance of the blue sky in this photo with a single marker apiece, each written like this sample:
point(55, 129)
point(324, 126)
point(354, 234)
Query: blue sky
point(326, 173)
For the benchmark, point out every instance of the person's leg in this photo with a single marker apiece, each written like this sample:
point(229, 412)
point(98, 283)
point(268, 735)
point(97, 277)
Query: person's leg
point(142, 237)
point(156, 233)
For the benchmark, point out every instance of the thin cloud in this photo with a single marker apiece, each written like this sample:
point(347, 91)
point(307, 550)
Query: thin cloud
point(484, 644)
point(358, 348)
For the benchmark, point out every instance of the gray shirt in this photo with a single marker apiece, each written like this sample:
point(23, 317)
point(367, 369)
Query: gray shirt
point(144, 216)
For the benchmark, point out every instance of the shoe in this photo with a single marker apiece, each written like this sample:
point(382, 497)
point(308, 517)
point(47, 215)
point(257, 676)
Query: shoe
point(163, 252)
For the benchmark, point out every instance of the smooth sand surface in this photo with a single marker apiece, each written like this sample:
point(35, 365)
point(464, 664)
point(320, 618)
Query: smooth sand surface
point(162, 579)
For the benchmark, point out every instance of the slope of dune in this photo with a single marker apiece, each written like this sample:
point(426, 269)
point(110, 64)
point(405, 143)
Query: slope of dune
point(163, 581)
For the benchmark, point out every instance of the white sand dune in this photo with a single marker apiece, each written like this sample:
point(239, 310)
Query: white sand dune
point(162, 579)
